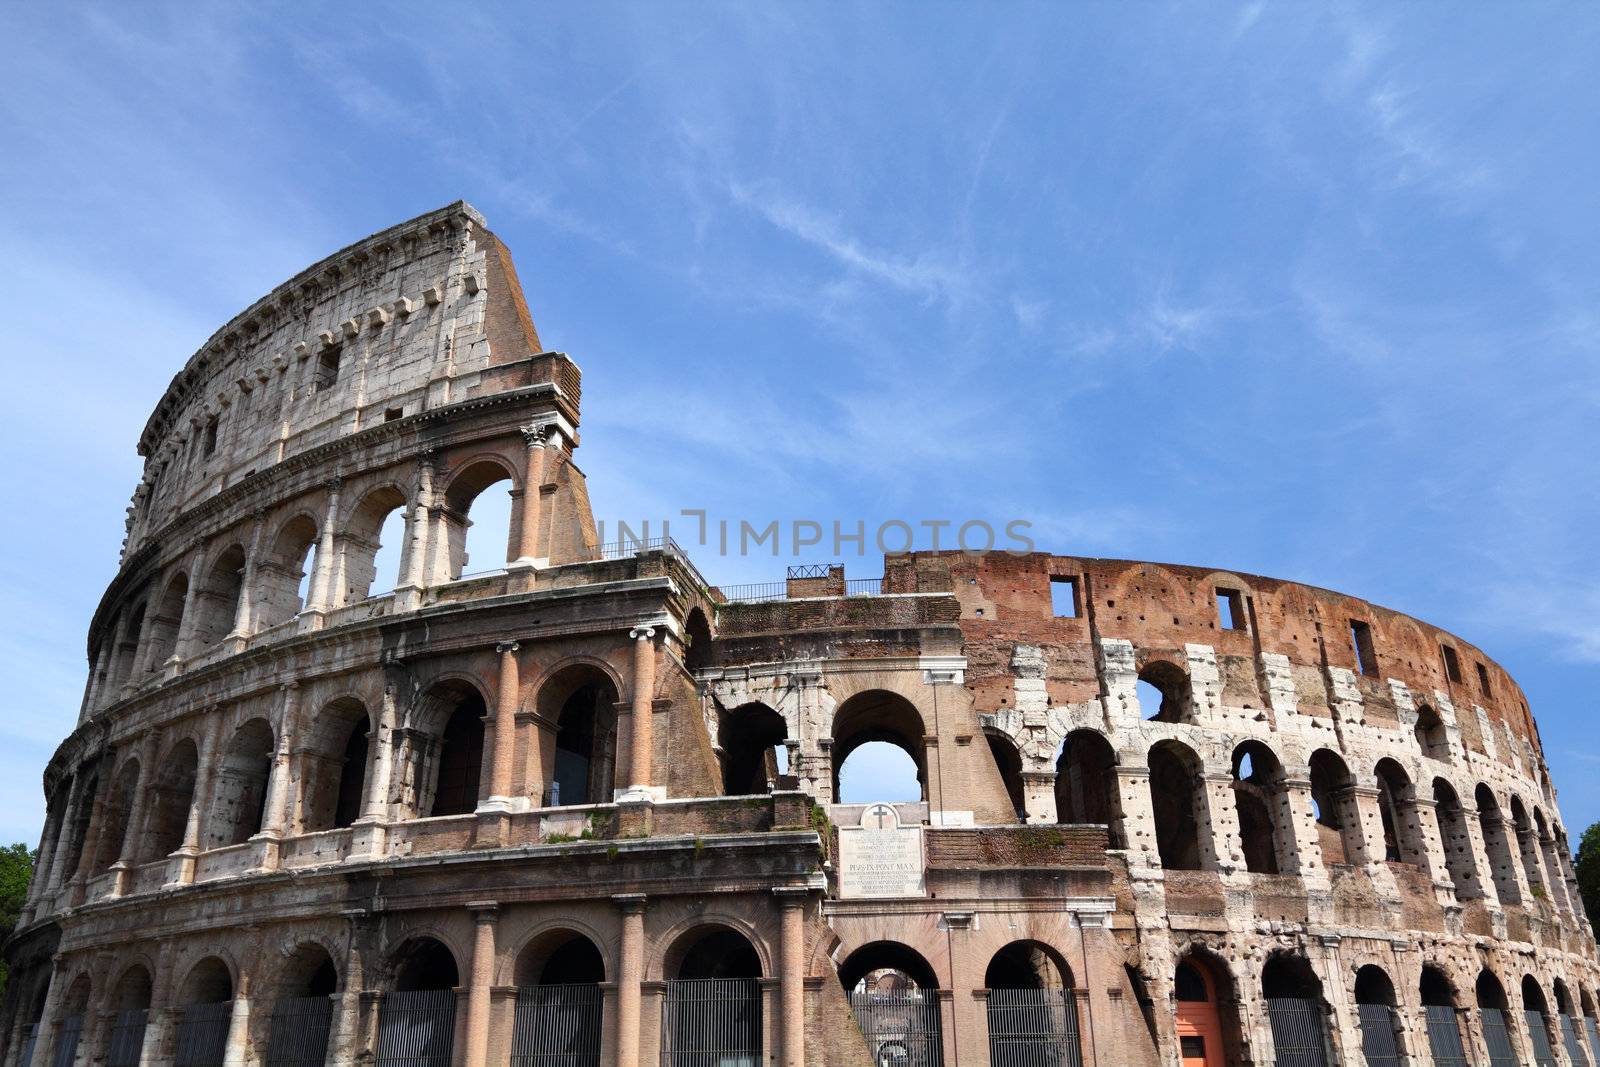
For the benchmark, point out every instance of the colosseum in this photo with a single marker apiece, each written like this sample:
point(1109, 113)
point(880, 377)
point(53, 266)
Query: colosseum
point(580, 806)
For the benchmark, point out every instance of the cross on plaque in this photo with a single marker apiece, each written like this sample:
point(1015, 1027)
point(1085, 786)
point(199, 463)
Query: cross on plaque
point(883, 813)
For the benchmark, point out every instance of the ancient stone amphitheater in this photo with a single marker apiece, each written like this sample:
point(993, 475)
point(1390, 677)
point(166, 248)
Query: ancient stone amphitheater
point(581, 807)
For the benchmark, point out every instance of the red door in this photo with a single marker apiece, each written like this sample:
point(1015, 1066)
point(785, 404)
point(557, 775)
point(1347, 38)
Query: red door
point(1199, 1029)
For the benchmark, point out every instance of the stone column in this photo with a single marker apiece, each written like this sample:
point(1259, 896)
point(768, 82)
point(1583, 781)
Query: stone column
point(533, 436)
point(1294, 811)
point(1218, 819)
point(275, 817)
point(508, 692)
point(236, 1052)
point(480, 982)
point(641, 729)
point(414, 577)
point(1478, 852)
point(320, 595)
point(630, 972)
point(47, 855)
point(369, 831)
point(128, 857)
point(183, 870)
point(1366, 801)
point(182, 648)
point(97, 821)
point(244, 614)
point(98, 668)
point(792, 901)
point(1138, 813)
point(44, 1045)
point(69, 816)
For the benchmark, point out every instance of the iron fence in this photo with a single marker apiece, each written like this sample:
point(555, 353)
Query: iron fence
point(712, 1022)
point(557, 1026)
point(1539, 1038)
point(417, 1029)
point(1034, 1028)
point(67, 1041)
point(902, 1029)
point(203, 1035)
point(1569, 1038)
point(1497, 1036)
point(1297, 1032)
point(1444, 1036)
point(632, 546)
point(1377, 1035)
point(757, 593)
point(1594, 1039)
point(127, 1038)
point(299, 1031)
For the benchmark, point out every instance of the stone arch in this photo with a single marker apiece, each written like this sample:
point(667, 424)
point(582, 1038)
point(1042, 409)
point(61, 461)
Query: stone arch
point(1028, 964)
point(1430, 734)
point(465, 486)
point(699, 653)
point(370, 529)
point(559, 956)
point(1497, 845)
point(446, 745)
point(749, 738)
point(1536, 1015)
point(166, 621)
point(876, 964)
point(170, 798)
point(712, 949)
point(126, 632)
point(1375, 1011)
point(334, 766)
point(423, 963)
point(1397, 805)
point(1008, 761)
point(728, 1022)
point(282, 571)
point(240, 791)
point(1086, 783)
point(580, 697)
point(208, 981)
point(78, 829)
point(1165, 685)
point(1296, 1009)
point(1177, 799)
point(1335, 808)
point(112, 839)
point(309, 971)
point(1206, 1006)
point(878, 715)
point(1258, 797)
point(1456, 839)
point(216, 602)
point(1527, 847)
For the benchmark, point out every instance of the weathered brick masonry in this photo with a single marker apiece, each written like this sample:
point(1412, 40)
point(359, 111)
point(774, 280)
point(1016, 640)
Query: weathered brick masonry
point(580, 807)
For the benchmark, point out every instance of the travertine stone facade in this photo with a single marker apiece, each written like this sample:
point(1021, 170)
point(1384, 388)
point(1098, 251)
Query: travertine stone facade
point(573, 803)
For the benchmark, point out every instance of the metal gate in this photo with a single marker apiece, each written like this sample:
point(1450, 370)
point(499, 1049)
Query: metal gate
point(712, 1022)
point(299, 1036)
point(902, 1029)
point(417, 1029)
point(203, 1035)
point(1539, 1038)
point(557, 1026)
point(1569, 1038)
point(1033, 1028)
point(67, 1041)
point(127, 1039)
point(1497, 1037)
point(1594, 1039)
point(1444, 1036)
point(1297, 1032)
point(1377, 1035)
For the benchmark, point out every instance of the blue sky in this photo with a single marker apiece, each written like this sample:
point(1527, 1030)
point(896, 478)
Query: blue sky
point(1309, 292)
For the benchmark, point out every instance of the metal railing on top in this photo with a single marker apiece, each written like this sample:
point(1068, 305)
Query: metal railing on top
point(766, 592)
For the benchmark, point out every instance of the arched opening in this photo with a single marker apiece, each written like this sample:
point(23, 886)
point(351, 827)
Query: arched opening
point(479, 521)
point(1497, 845)
point(1258, 798)
point(69, 1025)
point(869, 727)
point(1334, 807)
point(1457, 842)
point(1008, 761)
point(1528, 848)
point(169, 802)
point(283, 577)
point(1440, 1014)
point(1566, 1018)
point(1295, 1010)
point(130, 1004)
point(1164, 692)
point(207, 1008)
point(1591, 1025)
point(302, 1014)
point(753, 754)
point(1200, 988)
point(697, 634)
point(78, 829)
point(1555, 874)
point(1086, 783)
point(559, 1002)
point(371, 548)
point(167, 622)
point(1494, 1018)
point(35, 1017)
point(1402, 828)
point(126, 651)
point(334, 767)
point(1032, 1008)
point(417, 1019)
point(1375, 1004)
point(712, 1012)
point(240, 792)
point(113, 836)
point(1535, 1016)
point(1176, 799)
point(216, 604)
point(582, 701)
point(894, 996)
point(1431, 738)
point(448, 749)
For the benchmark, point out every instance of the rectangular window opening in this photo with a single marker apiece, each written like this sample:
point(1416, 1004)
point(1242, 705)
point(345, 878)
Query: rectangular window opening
point(1064, 597)
point(391, 414)
point(211, 435)
point(1452, 664)
point(1230, 609)
point(1483, 681)
point(1361, 640)
point(327, 368)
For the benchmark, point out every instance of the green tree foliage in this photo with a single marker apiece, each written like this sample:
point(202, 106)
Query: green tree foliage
point(1589, 874)
point(16, 869)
